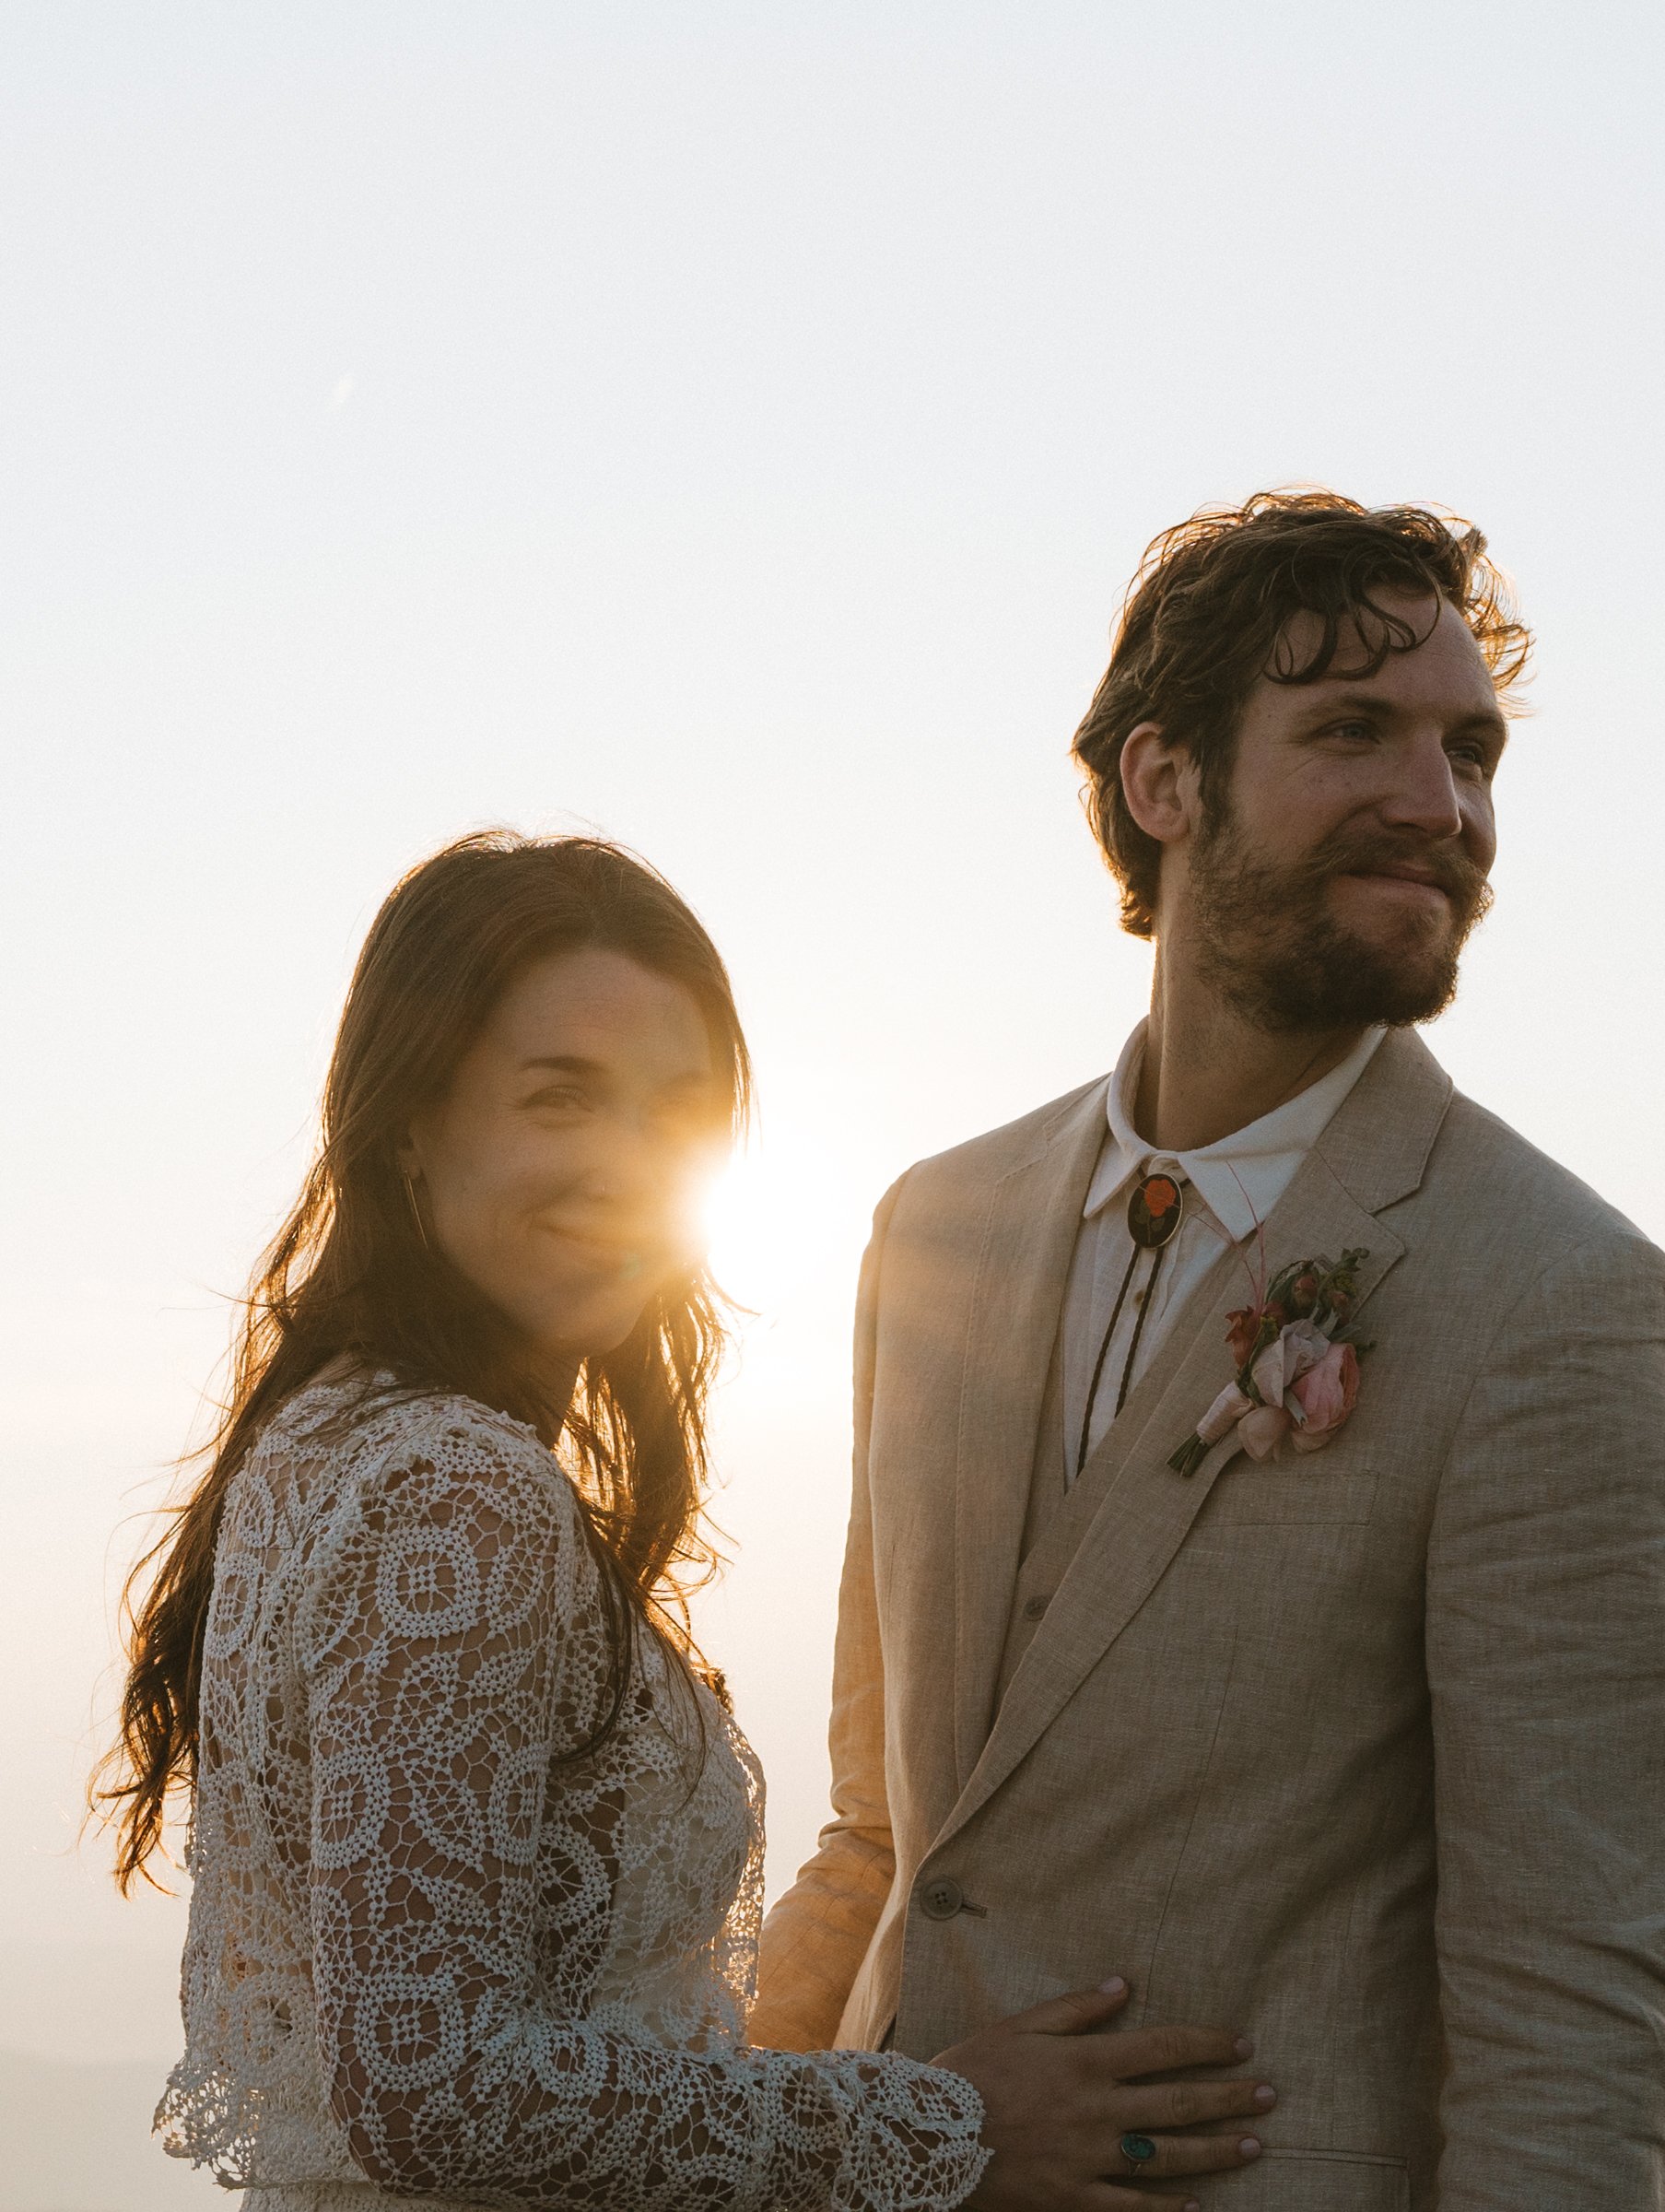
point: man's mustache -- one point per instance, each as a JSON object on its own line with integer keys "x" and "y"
{"x": 1445, "y": 865}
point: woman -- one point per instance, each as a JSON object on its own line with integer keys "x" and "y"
{"x": 476, "y": 1845}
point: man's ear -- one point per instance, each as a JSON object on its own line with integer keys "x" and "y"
{"x": 1159, "y": 782}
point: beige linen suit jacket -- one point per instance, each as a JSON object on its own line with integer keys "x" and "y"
{"x": 1363, "y": 1752}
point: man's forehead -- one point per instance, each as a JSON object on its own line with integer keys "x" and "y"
{"x": 1444, "y": 657}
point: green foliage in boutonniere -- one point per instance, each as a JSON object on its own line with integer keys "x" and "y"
{"x": 1296, "y": 1355}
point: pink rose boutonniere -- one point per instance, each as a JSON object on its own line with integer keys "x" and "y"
{"x": 1296, "y": 1356}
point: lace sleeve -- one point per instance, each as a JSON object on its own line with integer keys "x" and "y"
{"x": 453, "y": 1649}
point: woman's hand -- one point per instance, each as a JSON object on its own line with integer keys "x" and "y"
{"x": 1058, "y": 2100}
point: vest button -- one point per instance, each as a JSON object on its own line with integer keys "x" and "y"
{"x": 940, "y": 1899}
{"x": 1035, "y": 1606}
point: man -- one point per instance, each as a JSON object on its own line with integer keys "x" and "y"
{"x": 1355, "y": 1732}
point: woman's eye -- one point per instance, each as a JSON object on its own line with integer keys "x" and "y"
{"x": 560, "y": 1096}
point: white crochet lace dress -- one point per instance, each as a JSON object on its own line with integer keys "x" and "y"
{"x": 428, "y": 1958}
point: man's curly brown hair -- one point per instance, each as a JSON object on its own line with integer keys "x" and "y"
{"x": 1208, "y": 613}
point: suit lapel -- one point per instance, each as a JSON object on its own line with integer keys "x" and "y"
{"x": 1034, "y": 1214}
{"x": 1373, "y": 1153}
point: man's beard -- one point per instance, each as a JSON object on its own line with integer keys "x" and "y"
{"x": 1268, "y": 944}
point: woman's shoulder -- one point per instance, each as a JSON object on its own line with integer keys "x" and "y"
{"x": 364, "y": 1433}
{"x": 353, "y": 1408}
{"x": 439, "y": 1514}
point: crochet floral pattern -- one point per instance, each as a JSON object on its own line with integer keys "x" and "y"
{"x": 436, "y": 1947}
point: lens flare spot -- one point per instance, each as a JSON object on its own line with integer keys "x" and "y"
{"x": 780, "y": 1216}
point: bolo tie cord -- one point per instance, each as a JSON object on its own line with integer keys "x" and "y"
{"x": 1132, "y": 1349}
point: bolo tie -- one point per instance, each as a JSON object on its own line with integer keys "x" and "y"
{"x": 1156, "y": 1208}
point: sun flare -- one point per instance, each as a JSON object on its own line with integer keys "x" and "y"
{"x": 780, "y": 1214}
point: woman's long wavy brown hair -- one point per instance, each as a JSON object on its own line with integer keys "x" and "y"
{"x": 349, "y": 1276}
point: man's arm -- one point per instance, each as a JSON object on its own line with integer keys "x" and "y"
{"x": 814, "y": 1941}
{"x": 1546, "y": 1661}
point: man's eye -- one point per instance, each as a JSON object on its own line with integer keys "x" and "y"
{"x": 1352, "y": 729}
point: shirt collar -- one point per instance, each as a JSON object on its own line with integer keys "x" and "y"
{"x": 1241, "y": 1177}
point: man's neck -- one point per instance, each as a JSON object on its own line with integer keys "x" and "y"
{"x": 1208, "y": 1072}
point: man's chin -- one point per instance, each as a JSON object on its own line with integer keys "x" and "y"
{"x": 1331, "y": 951}
{"x": 1393, "y": 983}
{"x": 1329, "y": 978}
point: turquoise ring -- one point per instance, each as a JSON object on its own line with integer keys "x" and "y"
{"x": 1138, "y": 2150}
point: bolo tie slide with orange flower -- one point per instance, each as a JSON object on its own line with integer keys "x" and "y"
{"x": 1156, "y": 1208}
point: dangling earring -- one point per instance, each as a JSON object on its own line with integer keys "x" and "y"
{"x": 416, "y": 1208}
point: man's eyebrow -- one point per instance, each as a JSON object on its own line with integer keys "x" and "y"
{"x": 1492, "y": 719}
{"x": 1323, "y": 703}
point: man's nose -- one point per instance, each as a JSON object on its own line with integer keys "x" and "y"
{"x": 1424, "y": 794}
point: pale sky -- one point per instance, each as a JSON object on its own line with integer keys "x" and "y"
{"x": 729, "y": 427}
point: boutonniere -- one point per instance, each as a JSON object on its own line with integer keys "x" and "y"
{"x": 1297, "y": 1364}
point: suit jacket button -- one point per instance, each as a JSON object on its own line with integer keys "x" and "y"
{"x": 1034, "y": 1607}
{"x": 940, "y": 1899}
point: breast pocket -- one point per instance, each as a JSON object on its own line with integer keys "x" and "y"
{"x": 1245, "y": 1494}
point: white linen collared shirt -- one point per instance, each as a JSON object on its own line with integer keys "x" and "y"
{"x": 1234, "y": 1184}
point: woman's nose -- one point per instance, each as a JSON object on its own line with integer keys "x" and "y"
{"x": 626, "y": 1164}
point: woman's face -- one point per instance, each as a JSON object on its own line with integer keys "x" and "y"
{"x": 563, "y": 1171}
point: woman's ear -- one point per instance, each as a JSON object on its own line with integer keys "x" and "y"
{"x": 1159, "y": 783}
{"x": 407, "y": 1154}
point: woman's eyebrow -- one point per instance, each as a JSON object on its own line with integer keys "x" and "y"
{"x": 566, "y": 1064}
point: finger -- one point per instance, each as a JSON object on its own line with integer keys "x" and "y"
{"x": 1164, "y": 2050}
{"x": 1166, "y": 2105}
{"x": 1190, "y": 2154}
{"x": 1076, "y": 2014}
